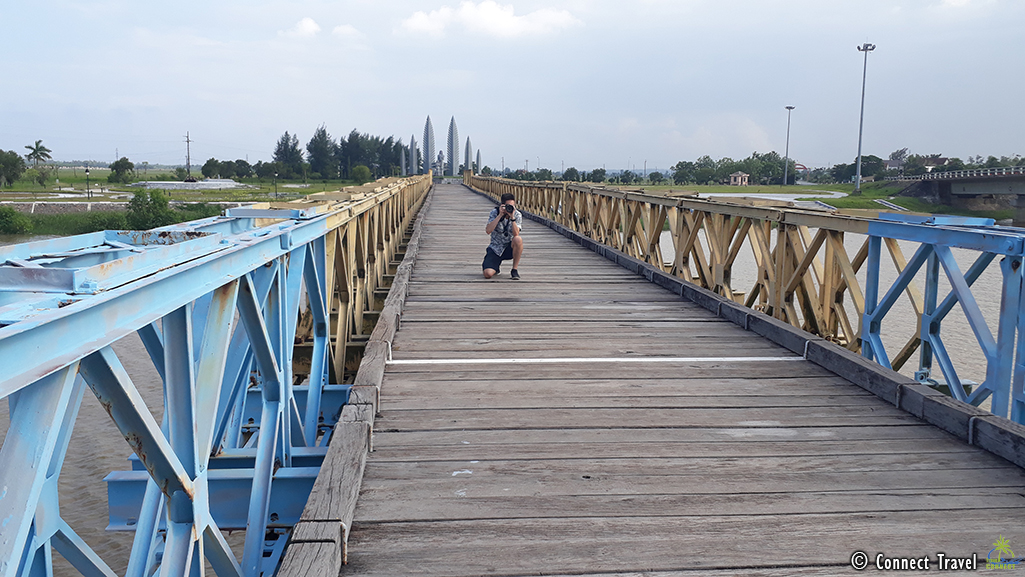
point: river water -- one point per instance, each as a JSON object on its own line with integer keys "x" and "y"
{"x": 899, "y": 325}
{"x": 98, "y": 448}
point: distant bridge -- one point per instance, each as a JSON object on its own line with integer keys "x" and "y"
{"x": 974, "y": 173}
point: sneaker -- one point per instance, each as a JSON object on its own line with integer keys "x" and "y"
{"x": 514, "y": 274}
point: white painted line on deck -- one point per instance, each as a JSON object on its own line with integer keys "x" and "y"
{"x": 592, "y": 360}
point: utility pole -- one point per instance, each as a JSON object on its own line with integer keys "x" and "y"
{"x": 188, "y": 157}
{"x": 866, "y": 48}
{"x": 786, "y": 155}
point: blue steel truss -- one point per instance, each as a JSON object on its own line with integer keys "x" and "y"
{"x": 217, "y": 304}
{"x": 1004, "y": 383}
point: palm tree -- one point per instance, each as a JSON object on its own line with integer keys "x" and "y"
{"x": 39, "y": 153}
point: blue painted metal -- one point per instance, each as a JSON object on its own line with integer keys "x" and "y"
{"x": 216, "y": 303}
{"x": 937, "y": 235}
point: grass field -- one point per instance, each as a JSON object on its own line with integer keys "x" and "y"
{"x": 872, "y": 191}
{"x": 69, "y": 185}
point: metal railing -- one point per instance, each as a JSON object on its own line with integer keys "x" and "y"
{"x": 806, "y": 275}
{"x": 253, "y": 320}
{"x": 954, "y": 174}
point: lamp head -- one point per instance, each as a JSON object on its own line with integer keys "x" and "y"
{"x": 790, "y": 107}
{"x": 866, "y": 47}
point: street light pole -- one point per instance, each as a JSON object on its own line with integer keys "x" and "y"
{"x": 866, "y": 48}
{"x": 275, "y": 186}
{"x": 87, "y": 193}
{"x": 786, "y": 155}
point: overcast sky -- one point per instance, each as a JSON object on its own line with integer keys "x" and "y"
{"x": 588, "y": 83}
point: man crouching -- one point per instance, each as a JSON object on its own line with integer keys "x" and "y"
{"x": 506, "y": 243}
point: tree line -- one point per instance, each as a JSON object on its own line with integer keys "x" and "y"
{"x": 360, "y": 156}
{"x": 903, "y": 163}
{"x": 761, "y": 168}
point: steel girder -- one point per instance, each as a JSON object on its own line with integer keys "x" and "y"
{"x": 221, "y": 306}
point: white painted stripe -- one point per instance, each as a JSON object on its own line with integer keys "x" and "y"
{"x": 592, "y": 360}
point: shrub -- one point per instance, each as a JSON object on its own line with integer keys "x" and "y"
{"x": 13, "y": 222}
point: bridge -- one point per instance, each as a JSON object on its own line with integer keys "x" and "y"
{"x": 960, "y": 187}
{"x": 630, "y": 406}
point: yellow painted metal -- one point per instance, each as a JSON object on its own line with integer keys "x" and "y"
{"x": 804, "y": 273}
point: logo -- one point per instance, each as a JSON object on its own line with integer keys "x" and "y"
{"x": 1001, "y": 556}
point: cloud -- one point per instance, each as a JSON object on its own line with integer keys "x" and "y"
{"x": 489, "y": 18}
{"x": 347, "y": 31}
{"x": 305, "y": 28}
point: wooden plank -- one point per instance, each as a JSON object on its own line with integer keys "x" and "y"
{"x": 483, "y": 419}
{"x": 334, "y": 493}
{"x": 467, "y": 504}
{"x": 597, "y": 370}
{"x": 424, "y": 450}
{"x": 912, "y": 432}
{"x": 667, "y": 543}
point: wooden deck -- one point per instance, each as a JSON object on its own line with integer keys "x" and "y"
{"x": 583, "y": 421}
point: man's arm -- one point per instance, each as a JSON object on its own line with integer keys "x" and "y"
{"x": 516, "y": 223}
{"x": 490, "y": 228}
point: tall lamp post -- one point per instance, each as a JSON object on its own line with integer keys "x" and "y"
{"x": 866, "y": 48}
{"x": 786, "y": 154}
{"x": 275, "y": 186}
{"x": 87, "y": 193}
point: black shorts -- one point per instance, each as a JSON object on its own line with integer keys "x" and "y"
{"x": 493, "y": 261}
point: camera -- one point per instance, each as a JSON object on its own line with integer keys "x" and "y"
{"x": 508, "y": 208}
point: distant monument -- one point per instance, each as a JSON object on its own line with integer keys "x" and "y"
{"x": 452, "y": 167}
{"x": 477, "y": 165}
{"x": 469, "y": 155}
{"x": 428, "y": 145}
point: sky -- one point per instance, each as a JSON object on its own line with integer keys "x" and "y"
{"x": 584, "y": 83}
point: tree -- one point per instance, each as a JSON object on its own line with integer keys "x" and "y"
{"x": 597, "y": 175}
{"x": 322, "y": 152}
{"x": 289, "y": 155}
{"x": 683, "y": 172}
{"x": 899, "y": 155}
{"x": 180, "y": 173}
{"x": 243, "y": 169}
{"x": 872, "y": 165}
{"x": 627, "y": 177}
{"x": 122, "y": 171}
{"x": 544, "y": 174}
{"x": 656, "y": 177}
{"x": 226, "y": 169}
{"x": 42, "y": 174}
{"x": 571, "y": 174}
{"x": 12, "y": 166}
{"x": 360, "y": 174}
{"x": 211, "y": 168}
{"x": 486, "y": 171}
{"x": 149, "y": 210}
{"x": 39, "y": 153}
{"x": 842, "y": 172}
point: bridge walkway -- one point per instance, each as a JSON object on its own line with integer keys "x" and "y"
{"x": 584, "y": 421}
